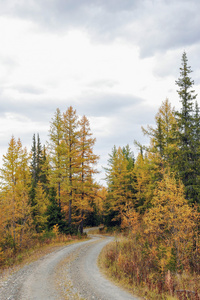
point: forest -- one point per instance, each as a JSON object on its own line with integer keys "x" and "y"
{"x": 153, "y": 199}
{"x": 52, "y": 187}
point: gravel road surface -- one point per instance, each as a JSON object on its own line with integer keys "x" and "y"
{"x": 70, "y": 272}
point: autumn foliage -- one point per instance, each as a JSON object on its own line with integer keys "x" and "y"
{"x": 159, "y": 254}
{"x": 157, "y": 203}
{"x": 50, "y": 190}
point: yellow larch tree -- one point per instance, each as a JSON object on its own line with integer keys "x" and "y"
{"x": 86, "y": 163}
{"x": 71, "y": 152}
{"x": 163, "y": 138}
{"x": 130, "y": 218}
{"x": 143, "y": 183}
{"x": 15, "y": 181}
{"x": 56, "y": 154}
{"x": 161, "y": 153}
{"x": 170, "y": 223}
{"x": 120, "y": 184}
{"x": 100, "y": 201}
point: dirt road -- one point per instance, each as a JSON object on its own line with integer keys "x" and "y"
{"x": 68, "y": 273}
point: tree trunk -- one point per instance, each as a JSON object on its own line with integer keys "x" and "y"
{"x": 81, "y": 224}
{"x": 70, "y": 210}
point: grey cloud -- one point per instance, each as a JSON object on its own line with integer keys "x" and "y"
{"x": 63, "y": 12}
{"x": 153, "y": 25}
{"x": 169, "y": 64}
{"x": 8, "y": 61}
{"x": 126, "y": 124}
{"x": 194, "y": 62}
{"x": 106, "y": 104}
{"x": 100, "y": 105}
{"x": 29, "y": 89}
{"x": 35, "y": 110}
{"x": 167, "y": 25}
{"x": 125, "y": 128}
{"x": 8, "y": 65}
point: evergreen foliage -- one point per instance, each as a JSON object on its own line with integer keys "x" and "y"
{"x": 87, "y": 160}
{"x": 71, "y": 154}
{"x": 39, "y": 208}
{"x": 15, "y": 185}
{"x": 55, "y": 216}
{"x": 55, "y": 147}
{"x": 187, "y": 119}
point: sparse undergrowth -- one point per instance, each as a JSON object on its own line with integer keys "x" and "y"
{"x": 36, "y": 247}
{"x": 123, "y": 261}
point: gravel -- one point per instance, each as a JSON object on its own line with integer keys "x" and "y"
{"x": 70, "y": 272}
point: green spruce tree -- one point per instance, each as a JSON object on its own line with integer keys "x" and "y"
{"x": 39, "y": 159}
{"x": 56, "y": 153}
{"x": 187, "y": 158}
{"x": 55, "y": 216}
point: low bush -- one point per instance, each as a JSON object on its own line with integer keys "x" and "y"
{"x": 135, "y": 264}
{"x": 12, "y": 254}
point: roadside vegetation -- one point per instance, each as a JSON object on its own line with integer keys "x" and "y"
{"x": 155, "y": 201}
{"x": 156, "y": 256}
{"x": 36, "y": 246}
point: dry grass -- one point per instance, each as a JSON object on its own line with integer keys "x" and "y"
{"x": 34, "y": 250}
{"x": 124, "y": 262}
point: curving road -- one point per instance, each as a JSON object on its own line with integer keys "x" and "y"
{"x": 68, "y": 273}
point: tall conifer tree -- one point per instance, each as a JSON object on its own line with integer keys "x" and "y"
{"x": 38, "y": 159}
{"x": 56, "y": 153}
{"x": 163, "y": 138}
{"x": 39, "y": 166}
{"x": 34, "y": 161}
{"x": 15, "y": 182}
{"x": 87, "y": 161}
{"x": 186, "y": 134}
{"x": 120, "y": 180}
{"x": 71, "y": 150}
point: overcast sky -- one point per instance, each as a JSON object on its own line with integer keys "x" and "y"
{"x": 114, "y": 61}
